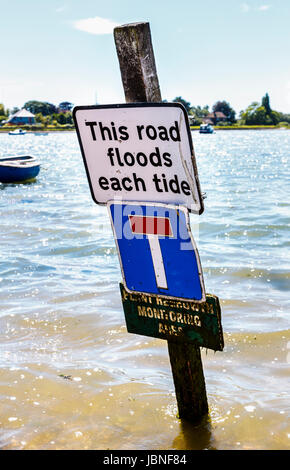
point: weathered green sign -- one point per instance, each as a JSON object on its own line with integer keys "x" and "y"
{"x": 175, "y": 320}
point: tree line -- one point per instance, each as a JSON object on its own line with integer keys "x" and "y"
{"x": 257, "y": 113}
{"x": 45, "y": 113}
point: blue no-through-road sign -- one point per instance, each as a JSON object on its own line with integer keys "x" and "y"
{"x": 157, "y": 252}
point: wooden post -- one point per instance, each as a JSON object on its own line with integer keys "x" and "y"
{"x": 188, "y": 380}
{"x": 137, "y": 63}
{"x": 140, "y": 83}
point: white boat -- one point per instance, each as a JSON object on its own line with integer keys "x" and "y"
{"x": 206, "y": 129}
{"x": 17, "y": 132}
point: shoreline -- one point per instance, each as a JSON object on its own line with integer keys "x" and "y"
{"x": 6, "y": 131}
{"x": 242, "y": 128}
{"x": 192, "y": 128}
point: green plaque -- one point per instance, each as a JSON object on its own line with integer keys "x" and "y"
{"x": 186, "y": 321}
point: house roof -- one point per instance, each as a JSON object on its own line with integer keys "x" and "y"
{"x": 21, "y": 113}
{"x": 217, "y": 114}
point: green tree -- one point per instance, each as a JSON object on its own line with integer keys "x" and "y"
{"x": 14, "y": 110}
{"x": 266, "y": 103}
{"x": 253, "y": 114}
{"x": 275, "y": 117}
{"x": 4, "y": 113}
{"x": 200, "y": 112}
{"x": 260, "y": 114}
{"x": 284, "y": 117}
{"x": 2, "y": 110}
{"x": 224, "y": 107}
{"x": 43, "y": 107}
{"x": 185, "y": 103}
{"x": 61, "y": 118}
{"x": 256, "y": 114}
{"x": 47, "y": 120}
{"x": 197, "y": 114}
{"x": 68, "y": 117}
{"x": 65, "y": 105}
{"x": 39, "y": 118}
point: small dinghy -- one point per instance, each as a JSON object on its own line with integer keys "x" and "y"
{"x": 18, "y": 169}
{"x": 17, "y": 132}
{"x": 206, "y": 129}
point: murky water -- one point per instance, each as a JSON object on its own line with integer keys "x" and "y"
{"x": 71, "y": 377}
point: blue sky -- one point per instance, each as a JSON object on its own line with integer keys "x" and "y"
{"x": 209, "y": 50}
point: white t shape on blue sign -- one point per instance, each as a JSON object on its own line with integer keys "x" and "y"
{"x": 157, "y": 252}
{"x": 153, "y": 227}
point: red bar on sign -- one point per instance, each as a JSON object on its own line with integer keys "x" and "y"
{"x": 144, "y": 225}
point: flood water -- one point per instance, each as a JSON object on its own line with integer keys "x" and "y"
{"x": 71, "y": 377}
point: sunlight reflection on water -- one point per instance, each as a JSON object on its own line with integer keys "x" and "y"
{"x": 72, "y": 377}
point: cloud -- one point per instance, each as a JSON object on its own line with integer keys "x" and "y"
{"x": 245, "y": 7}
{"x": 96, "y": 25}
{"x": 263, "y": 7}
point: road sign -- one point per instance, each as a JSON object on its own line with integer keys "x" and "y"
{"x": 157, "y": 251}
{"x": 139, "y": 152}
{"x": 174, "y": 320}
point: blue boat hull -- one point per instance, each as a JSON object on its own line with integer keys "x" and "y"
{"x": 208, "y": 130}
{"x": 10, "y": 174}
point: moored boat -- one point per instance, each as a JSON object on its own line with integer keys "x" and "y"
{"x": 18, "y": 169}
{"x": 206, "y": 129}
{"x": 17, "y": 132}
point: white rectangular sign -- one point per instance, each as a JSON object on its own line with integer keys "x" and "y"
{"x": 139, "y": 152}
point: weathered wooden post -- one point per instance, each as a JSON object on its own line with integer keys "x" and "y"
{"x": 140, "y": 82}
